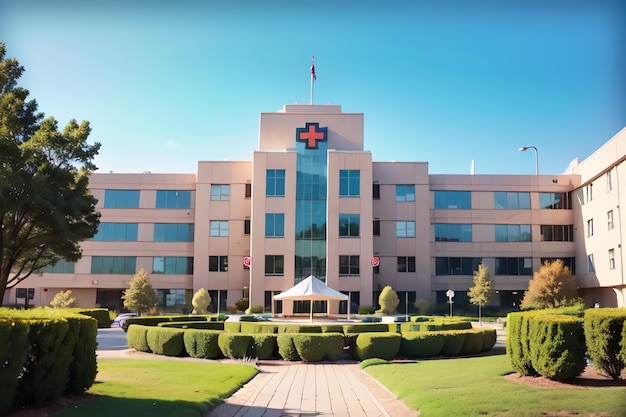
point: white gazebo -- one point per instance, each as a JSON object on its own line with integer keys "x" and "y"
{"x": 312, "y": 289}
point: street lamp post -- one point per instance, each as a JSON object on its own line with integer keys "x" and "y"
{"x": 525, "y": 148}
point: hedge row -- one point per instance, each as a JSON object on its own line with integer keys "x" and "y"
{"x": 156, "y": 320}
{"x": 605, "y": 334}
{"x": 49, "y": 353}
{"x": 546, "y": 343}
{"x": 308, "y": 347}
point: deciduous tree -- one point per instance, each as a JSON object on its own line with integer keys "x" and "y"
{"x": 140, "y": 297}
{"x": 46, "y": 208}
{"x": 481, "y": 292}
{"x": 63, "y": 299}
{"x": 552, "y": 286}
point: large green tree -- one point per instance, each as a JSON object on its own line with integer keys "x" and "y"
{"x": 46, "y": 208}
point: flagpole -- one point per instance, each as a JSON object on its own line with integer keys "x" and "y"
{"x": 313, "y": 77}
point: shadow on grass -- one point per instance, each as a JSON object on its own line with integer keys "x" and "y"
{"x": 106, "y": 406}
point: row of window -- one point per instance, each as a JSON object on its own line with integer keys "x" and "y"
{"x": 348, "y": 265}
{"x": 349, "y": 186}
{"x": 609, "y": 223}
{"x": 349, "y": 226}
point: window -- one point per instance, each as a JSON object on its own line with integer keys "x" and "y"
{"x": 512, "y": 200}
{"x": 348, "y": 265}
{"x": 248, "y": 192}
{"x": 173, "y": 199}
{"x": 557, "y": 233}
{"x": 116, "y": 231}
{"x": 274, "y": 265}
{"x": 61, "y": 267}
{"x": 405, "y": 192}
{"x": 555, "y": 201}
{"x": 219, "y": 228}
{"x": 218, "y": 263}
{"x": 121, "y": 198}
{"x": 174, "y": 298}
{"x": 514, "y": 266}
{"x": 570, "y": 263}
{"x": 220, "y": 192}
{"x": 445, "y": 232}
{"x": 609, "y": 182}
{"x": 376, "y": 192}
{"x": 349, "y": 225}
{"x": 611, "y": 258}
{"x": 456, "y": 265}
{"x": 591, "y": 268}
{"x": 172, "y": 265}
{"x": 609, "y": 219}
{"x": 349, "y": 183}
{"x": 589, "y": 227}
{"x": 513, "y": 233}
{"x": 376, "y": 228}
{"x": 274, "y": 225}
{"x": 406, "y": 263}
{"x": 113, "y": 264}
{"x": 173, "y": 232}
{"x": 453, "y": 199}
{"x": 405, "y": 229}
{"x": 589, "y": 192}
{"x": 275, "y": 182}
{"x": 246, "y": 226}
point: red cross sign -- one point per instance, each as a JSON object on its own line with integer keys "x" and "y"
{"x": 311, "y": 134}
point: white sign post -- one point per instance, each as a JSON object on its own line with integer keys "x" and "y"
{"x": 450, "y": 295}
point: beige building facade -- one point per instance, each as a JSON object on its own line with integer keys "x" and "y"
{"x": 312, "y": 201}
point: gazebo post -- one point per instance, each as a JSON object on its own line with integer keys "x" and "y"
{"x": 311, "y": 310}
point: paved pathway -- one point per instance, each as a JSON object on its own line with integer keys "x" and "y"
{"x": 338, "y": 389}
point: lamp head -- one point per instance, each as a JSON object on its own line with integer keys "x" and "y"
{"x": 523, "y": 148}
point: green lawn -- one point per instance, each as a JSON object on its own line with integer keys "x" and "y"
{"x": 130, "y": 387}
{"x": 476, "y": 387}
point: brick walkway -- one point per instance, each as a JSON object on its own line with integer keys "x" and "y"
{"x": 320, "y": 389}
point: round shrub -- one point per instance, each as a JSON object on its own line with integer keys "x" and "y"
{"x": 234, "y": 345}
{"x": 421, "y": 344}
{"x": 202, "y": 343}
{"x": 557, "y": 346}
{"x": 166, "y": 341}
{"x": 286, "y": 348}
{"x": 383, "y": 345}
{"x": 518, "y": 343}
{"x": 314, "y": 347}
{"x": 263, "y": 346}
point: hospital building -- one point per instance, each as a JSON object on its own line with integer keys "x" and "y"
{"x": 311, "y": 200}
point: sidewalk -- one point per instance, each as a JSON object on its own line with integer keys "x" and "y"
{"x": 293, "y": 389}
{"x": 338, "y": 389}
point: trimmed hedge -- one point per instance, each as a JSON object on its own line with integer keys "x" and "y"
{"x": 166, "y": 341}
{"x": 263, "y": 346}
{"x": 137, "y": 337}
{"x": 365, "y": 327}
{"x": 286, "y": 348}
{"x": 298, "y": 328}
{"x": 234, "y": 345}
{"x": 623, "y": 343}
{"x": 557, "y": 346}
{"x": 421, "y": 344}
{"x": 84, "y": 367}
{"x": 315, "y": 347}
{"x": 383, "y": 345}
{"x": 13, "y": 353}
{"x": 208, "y": 325}
{"x": 518, "y": 343}
{"x": 100, "y": 314}
{"x": 603, "y": 334}
{"x": 454, "y": 342}
{"x": 232, "y": 326}
{"x": 473, "y": 344}
{"x": 258, "y": 327}
{"x": 202, "y": 343}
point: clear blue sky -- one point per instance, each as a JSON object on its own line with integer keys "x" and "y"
{"x": 165, "y": 84}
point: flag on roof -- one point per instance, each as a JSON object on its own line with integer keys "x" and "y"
{"x": 313, "y": 68}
